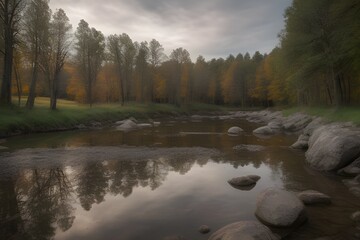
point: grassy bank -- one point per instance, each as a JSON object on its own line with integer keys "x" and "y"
{"x": 17, "y": 120}
{"x": 344, "y": 114}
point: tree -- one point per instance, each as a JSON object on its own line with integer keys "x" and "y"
{"x": 200, "y": 87}
{"x": 143, "y": 86}
{"x": 115, "y": 56}
{"x": 90, "y": 47}
{"x": 156, "y": 53}
{"x": 156, "y": 56}
{"x": 36, "y": 36}
{"x": 314, "y": 43}
{"x": 128, "y": 54}
{"x": 57, "y": 52}
{"x": 10, "y": 17}
{"x": 178, "y": 86}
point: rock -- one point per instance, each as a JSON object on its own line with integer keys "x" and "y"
{"x": 313, "y": 125}
{"x": 156, "y": 124}
{"x": 279, "y": 208}
{"x": 244, "y": 230}
{"x": 296, "y": 122}
{"x": 81, "y": 126}
{"x": 331, "y": 148}
{"x": 144, "y": 125}
{"x": 352, "y": 182}
{"x": 127, "y": 126}
{"x": 302, "y": 142}
{"x": 266, "y": 130}
{"x": 355, "y": 191}
{"x": 356, "y": 217}
{"x": 351, "y": 170}
{"x": 226, "y": 117}
{"x": 3, "y": 148}
{"x": 120, "y": 122}
{"x": 250, "y": 148}
{"x": 235, "y": 130}
{"x": 244, "y": 181}
{"x": 204, "y": 229}
{"x": 133, "y": 119}
{"x": 310, "y": 197}
{"x": 276, "y": 125}
{"x": 96, "y": 124}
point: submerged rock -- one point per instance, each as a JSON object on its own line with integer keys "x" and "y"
{"x": 244, "y": 181}
{"x": 313, "y": 197}
{"x": 356, "y": 217}
{"x": 279, "y": 208}
{"x": 235, "y": 130}
{"x": 204, "y": 229}
{"x": 302, "y": 142}
{"x": 331, "y": 148}
{"x": 266, "y": 130}
{"x": 250, "y": 148}
{"x": 351, "y": 170}
{"x": 244, "y": 230}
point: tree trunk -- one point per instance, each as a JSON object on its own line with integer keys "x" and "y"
{"x": 31, "y": 98}
{"x": 5, "y": 96}
{"x": 18, "y": 83}
{"x": 337, "y": 89}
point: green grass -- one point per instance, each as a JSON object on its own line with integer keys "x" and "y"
{"x": 344, "y": 114}
{"x": 69, "y": 114}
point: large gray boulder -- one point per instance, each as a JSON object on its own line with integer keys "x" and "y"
{"x": 127, "y": 126}
{"x": 331, "y": 148}
{"x": 266, "y": 130}
{"x": 279, "y": 208}
{"x": 244, "y": 230}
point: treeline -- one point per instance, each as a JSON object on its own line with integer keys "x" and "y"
{"x": 316, "y": 62}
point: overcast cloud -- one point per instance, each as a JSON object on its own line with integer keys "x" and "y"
{"x": 211, "y": 28}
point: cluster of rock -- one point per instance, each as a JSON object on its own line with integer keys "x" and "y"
{"x": 132, "y": 124}
{"x": 278, "y": 211}
{"x": 329, "y": 146}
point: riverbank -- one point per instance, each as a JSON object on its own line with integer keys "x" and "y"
{"x": 343, "y": 114}
{"x": 71, "y": 115}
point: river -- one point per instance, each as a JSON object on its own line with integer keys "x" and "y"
{"x": 155, "y": 182}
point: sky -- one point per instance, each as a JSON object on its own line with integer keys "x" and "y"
{"x": 211, "y": 28}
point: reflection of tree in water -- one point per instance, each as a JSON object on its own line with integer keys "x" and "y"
{"x": 36, "y": 204}
{"x": 92, "y": 184}
{"x": 126, "y": 175}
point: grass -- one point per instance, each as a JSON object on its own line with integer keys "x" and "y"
{"x": 344, "y": 114}
{"x": 40, "y": 119}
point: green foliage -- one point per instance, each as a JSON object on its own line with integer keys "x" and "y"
{"x": 344, "y": 114}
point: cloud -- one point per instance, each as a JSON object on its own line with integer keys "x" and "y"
{"x": 212, "y": 28}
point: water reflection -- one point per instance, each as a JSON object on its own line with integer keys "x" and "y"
{"x": 102, "y": 192}
{"x": 35, "y": 204}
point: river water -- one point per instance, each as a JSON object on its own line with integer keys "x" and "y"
{"x": 155, "y": 183}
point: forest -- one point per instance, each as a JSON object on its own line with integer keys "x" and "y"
{"x": 316, "y": 62}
